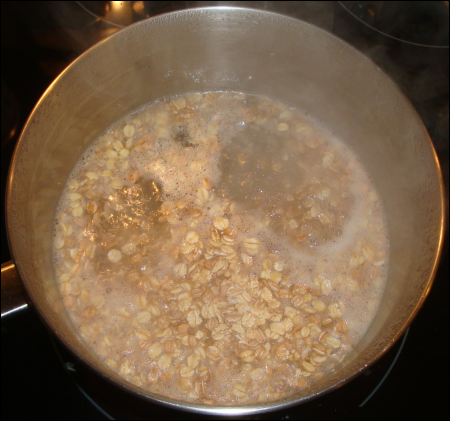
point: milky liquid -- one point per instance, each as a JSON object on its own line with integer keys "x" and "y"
{"x": 220, "y": 248}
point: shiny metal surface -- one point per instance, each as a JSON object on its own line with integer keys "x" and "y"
{"x": 124, "y": 13}
{"x": 14, "y": 297}
{"x": 255, "y": 52}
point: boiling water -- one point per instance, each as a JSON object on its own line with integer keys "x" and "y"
{"x": 220, "y": 248}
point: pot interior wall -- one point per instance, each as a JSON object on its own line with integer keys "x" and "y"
{"x": 241, "y": 50}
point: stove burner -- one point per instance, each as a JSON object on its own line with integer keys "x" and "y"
{"x": 422, "y": 23}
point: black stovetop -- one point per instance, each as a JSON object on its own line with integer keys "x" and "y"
{"x": 41, "y": 380}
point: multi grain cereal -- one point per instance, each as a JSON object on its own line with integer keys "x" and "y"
{"x": 220, "y": 248}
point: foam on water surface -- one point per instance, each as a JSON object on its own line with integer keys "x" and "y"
{"x": 172, "y": 168}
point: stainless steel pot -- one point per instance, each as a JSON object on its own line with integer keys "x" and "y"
{"x": 255, "y": 52}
